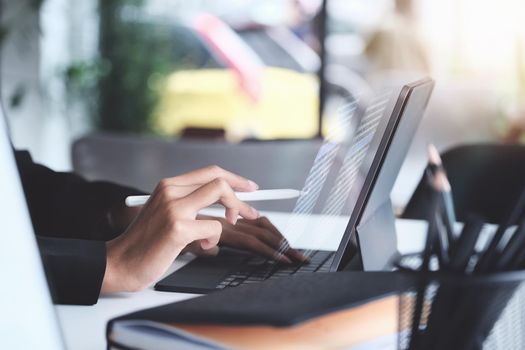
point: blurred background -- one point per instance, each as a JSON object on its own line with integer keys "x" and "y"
{"x": 115, "y": 88}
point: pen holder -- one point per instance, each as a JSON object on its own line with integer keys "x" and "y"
{"x": 445, "y": 310}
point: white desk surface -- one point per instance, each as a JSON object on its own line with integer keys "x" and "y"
{"x": 83, "y": 327}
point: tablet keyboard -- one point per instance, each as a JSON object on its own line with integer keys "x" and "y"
{"x": 231, "y": 268}
{"x": 257, "y": 269}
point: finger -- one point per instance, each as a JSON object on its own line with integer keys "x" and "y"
{"x": 251, "y": 243}
{"x": 207, "y": 232}
{"x": 216, "y": 191}
{"x": 296, "y": 255}
{"x": 170, "y": 192}
{"x": 165, "y": 193}
{"x": 231, "y": 216}
{"x": 292, "y": 253}
{"x": 279, "y": 244}
{"x": 262, "y": 234}
{"x": 265, "y": 223}
{"x": 205, "y": 175}
{"x": 195, "y": 248}
{"x": 214, "y": 251}
{"x": 214, "y": 235}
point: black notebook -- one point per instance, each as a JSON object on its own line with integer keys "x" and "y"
{"x": 279, "y": 303}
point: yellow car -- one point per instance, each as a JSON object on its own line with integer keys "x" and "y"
{"x": 253, "y": 87}
{"x": 212, "y": 98}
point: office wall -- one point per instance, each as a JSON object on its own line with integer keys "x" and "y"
{"x": 40, "y": 44}
{"x": 20, "y": 70}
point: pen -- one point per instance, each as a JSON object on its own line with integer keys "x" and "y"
{"x": 261, "y": 195}
{"x": 464, "y": 247}
{"x": 486, "y": 259}
{"x": 425, "y": 263}
{"x": 512, "y": 249}
{"x": 436, "y": 167}
{"x": 438, "y": 181}
{"x": 442, "y": 248}
{"x": 433, "y": 226}
{"x": 518, "y": 262}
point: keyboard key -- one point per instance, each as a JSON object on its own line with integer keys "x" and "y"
{"x": 236, "y": 282}
{"x": 255, "y": 279}
{"x": 281, "y": 274}
{"x": 250, "y": 281}
{"x": 258, "y": 269}
{"x": 274, "y": 277}
{"x": 257, "y": 261}
{"x": 307, "y": 269}
{"x": 288, "y": 269}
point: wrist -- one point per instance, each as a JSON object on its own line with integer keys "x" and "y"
{"x": 116, "y": 277}
{"x": 110, "y": 283}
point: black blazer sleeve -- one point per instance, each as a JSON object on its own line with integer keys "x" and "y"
{"x": 64, "y": 205}
{"x": 70, "y": 220}
{"x": 74, "y": 269}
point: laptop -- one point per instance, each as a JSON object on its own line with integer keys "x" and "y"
{"x": 344, "y": 219}
{"x": 28, "y": 317}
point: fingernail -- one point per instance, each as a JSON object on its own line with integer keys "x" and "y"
{"x": 286, "y": 259}
{"x": 300, "y": 256}
{"x": 253, "y": 184}
{"x": 255, "y": 212}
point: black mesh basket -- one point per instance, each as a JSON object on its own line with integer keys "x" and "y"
{"x": 446, "y": 310}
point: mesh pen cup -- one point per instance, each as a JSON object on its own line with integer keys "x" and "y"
{"x": 446, "y": 310}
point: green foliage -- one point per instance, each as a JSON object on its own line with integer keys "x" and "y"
{"x": 82, "y": 79}
{"x": 17, "y": 96}
{"x": 137, "y": 54}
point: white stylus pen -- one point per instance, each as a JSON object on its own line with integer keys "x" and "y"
{"x": 261, "y": 195}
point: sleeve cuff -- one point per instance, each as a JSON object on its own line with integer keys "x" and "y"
{"x": 74, "y": 268}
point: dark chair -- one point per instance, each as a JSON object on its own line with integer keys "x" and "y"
{"x": 486, "y": 179}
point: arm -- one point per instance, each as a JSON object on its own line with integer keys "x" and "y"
{"x": 72, "y": 218}
{"x": 64, "y": 205}
{"x": 168, "y": 223}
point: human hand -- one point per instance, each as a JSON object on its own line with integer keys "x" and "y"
{"x": 121, "y": 216}
{"x": 259, "y": 236}
{"x": 167, "y": 223}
